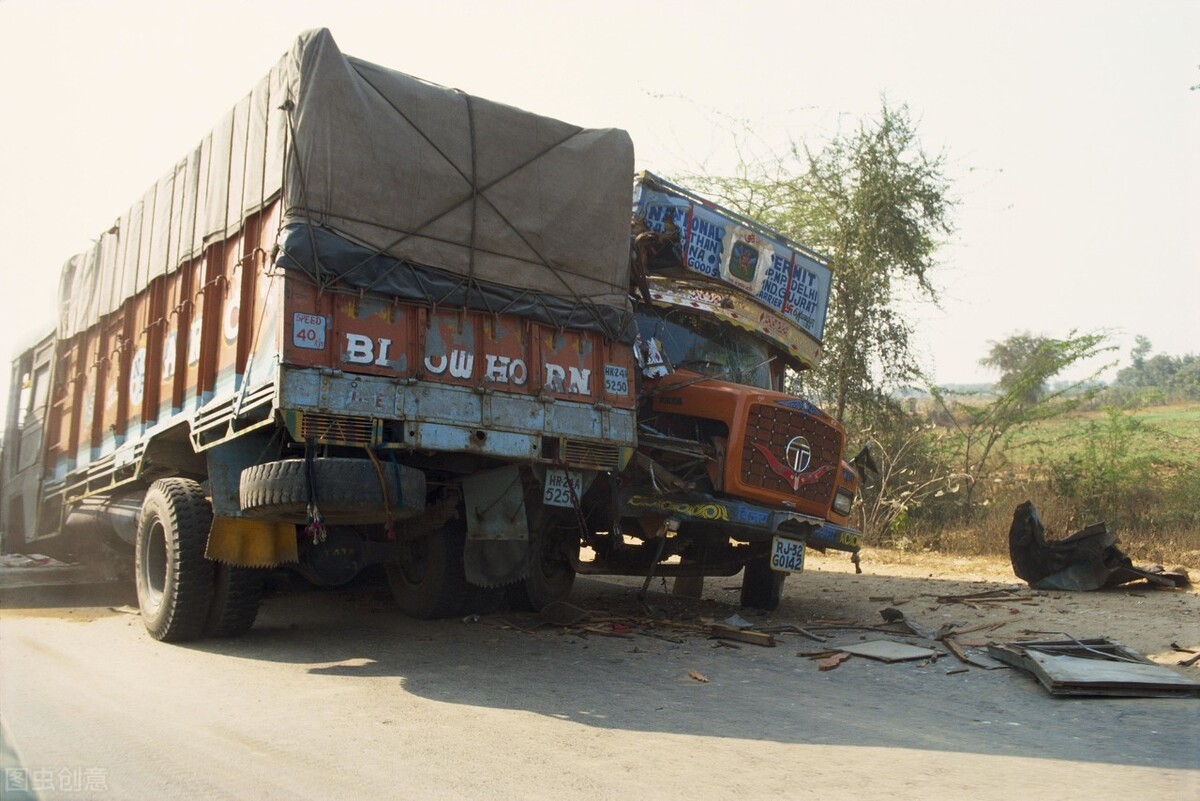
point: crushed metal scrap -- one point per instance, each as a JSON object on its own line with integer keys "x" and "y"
{"x": 1087, "y": 560}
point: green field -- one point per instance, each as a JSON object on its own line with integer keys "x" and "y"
{"x": 1138, "y": 471}
{"x": 1169, "y": 436}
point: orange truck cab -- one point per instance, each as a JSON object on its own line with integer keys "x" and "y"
{"x": 731, "y": 472}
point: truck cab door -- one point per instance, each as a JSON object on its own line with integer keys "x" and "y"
{"x": 21, "y": 462}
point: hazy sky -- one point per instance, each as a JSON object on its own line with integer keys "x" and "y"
{"x": 1070, "y": 133}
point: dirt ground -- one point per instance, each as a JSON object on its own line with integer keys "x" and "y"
{"x": 1163, "y": 624}
{"x": 1138, "y": 616}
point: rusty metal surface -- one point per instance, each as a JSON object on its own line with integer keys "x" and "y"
{"x": 447, "y": 417}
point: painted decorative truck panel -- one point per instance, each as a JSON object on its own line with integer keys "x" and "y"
{"x": 780, "y": 288}
{"x": 383, "y": 337}
{"x": 194, "y": 336}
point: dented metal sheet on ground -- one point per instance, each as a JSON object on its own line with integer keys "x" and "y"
{"x": 1094, "y": 667}
{"x": 888, "y": 651}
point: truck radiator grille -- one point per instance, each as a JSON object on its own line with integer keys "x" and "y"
{"x": 773, "y": 427}
{"x": 590, "y": 454}
{"x": 337, "y": 429}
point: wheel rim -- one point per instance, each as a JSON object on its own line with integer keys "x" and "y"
{"x": 154, "y": 567}
{"x": 550, "y": 572}
{"x": 415, "y": 568}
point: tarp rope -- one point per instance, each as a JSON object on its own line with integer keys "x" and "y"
{"x": 477, "y": 192}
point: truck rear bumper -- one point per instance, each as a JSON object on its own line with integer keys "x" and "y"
{"x": 356, "y": 409}
{"x": 745, "y": 522}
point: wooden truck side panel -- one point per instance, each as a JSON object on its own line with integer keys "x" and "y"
{"x": 193, "y": 337}
{"x": 379, "y": 336}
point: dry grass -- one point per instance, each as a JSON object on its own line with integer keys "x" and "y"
{"x": 1150, "y": 491}
{"x": 985, "y": 534}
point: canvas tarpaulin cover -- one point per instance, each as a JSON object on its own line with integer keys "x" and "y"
{"x": 388, "y": 184}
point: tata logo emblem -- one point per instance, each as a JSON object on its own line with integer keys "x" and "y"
{"x": 798, "y": 454}
{"x": 793, "y": 469}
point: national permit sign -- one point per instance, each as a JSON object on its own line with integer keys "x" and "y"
{"x": 726, "y": 247}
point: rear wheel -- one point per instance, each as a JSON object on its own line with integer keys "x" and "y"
{"x": 762, "y": 587}
{"x": 428, "y": 581}
{"x": 174, "y": 579}
{"x": 237, "y": 593}
{"x": 551, "y": 576}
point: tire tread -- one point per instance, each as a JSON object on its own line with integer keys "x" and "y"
{"x": 186, "y": 516}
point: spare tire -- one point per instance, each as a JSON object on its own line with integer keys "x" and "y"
{"x": 347, "y": 490}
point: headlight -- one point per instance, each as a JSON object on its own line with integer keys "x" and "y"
{"x": 842, "y": 502}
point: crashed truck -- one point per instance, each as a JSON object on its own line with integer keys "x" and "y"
{"x": 372, "y": 321}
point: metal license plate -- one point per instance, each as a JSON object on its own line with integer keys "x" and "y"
{"x": 787, "y": 555}
{"x": 557, "y": 492}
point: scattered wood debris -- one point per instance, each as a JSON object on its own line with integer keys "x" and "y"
{"x": 607, "y": 632}
{"x": 1002, "y": 594}
{"x": 818, "y": 654}
{"x": 893, "y": 615}
{"x": 696, "y": 675}
{"x": 952, "y": 630}
{"x": 561, "y": 613}
{"x": 721, "y": 631}
{"x": 1191, "y": 660}
{"x": 969, "y": 657}
{"x": 831, "y": 662}
{"x": 792, "y": 629}
{"x": 1186, "y": 661}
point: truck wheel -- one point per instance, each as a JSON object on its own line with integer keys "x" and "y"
{"x": 762, "y": 587}
{"x": 237, "y": 593}
{"x": 428, "y": 581}
{"x": 174, "y": 580}
{"x": 550, "y": 577}
{"x": 348, "y": 490}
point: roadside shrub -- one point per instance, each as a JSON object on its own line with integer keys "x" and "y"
{"x": 1106, "y": 478}
{"x": 913, "y": 477}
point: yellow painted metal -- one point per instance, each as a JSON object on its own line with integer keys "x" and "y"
{"x": 244, "y": 542}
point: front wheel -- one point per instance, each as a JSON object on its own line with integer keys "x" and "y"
{"x": 762, "y": 587}
{"x": 174, "y": 580}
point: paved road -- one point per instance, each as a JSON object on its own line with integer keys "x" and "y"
{"x": 333, "y": 694}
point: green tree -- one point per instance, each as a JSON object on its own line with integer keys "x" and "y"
{"x": 981, "y": 427}
{"x": 1160, "y": 377}
{"x": 1013, "y": 357}
{"x": 878, "y": 205}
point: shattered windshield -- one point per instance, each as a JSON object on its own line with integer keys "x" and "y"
{"x": 693, "y": 342}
